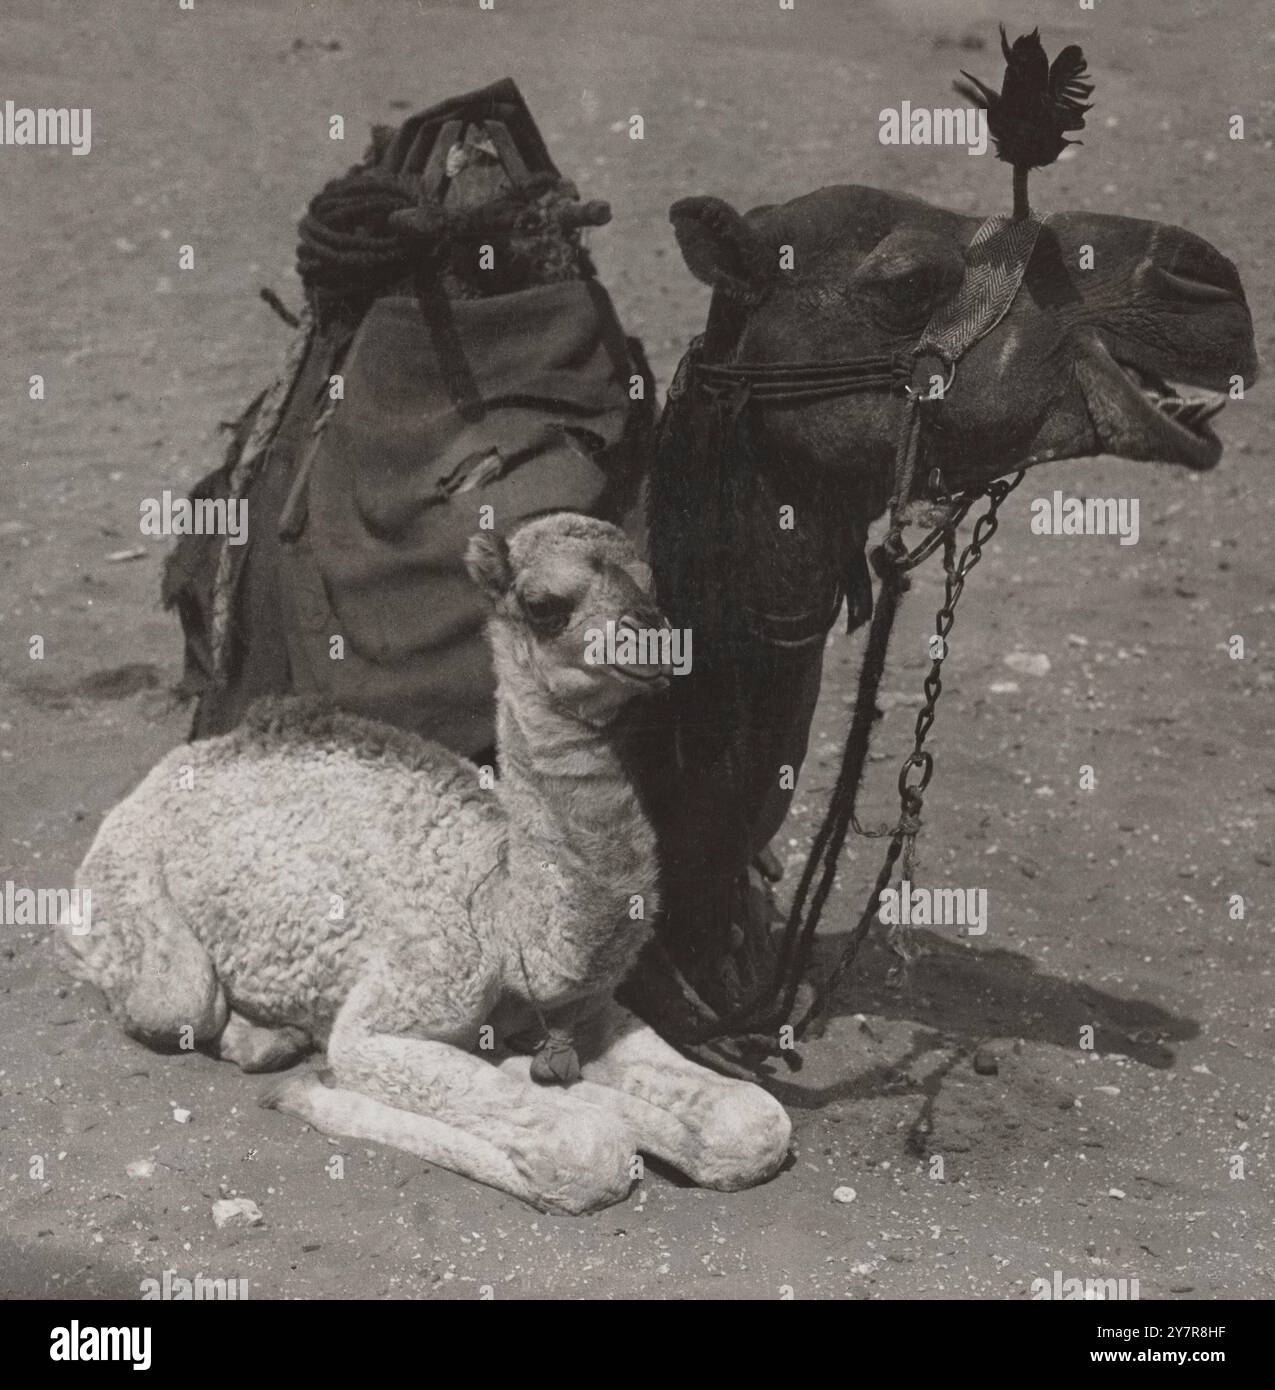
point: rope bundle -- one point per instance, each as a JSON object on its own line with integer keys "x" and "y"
{"x": 368, "y": 231}
{"x": 349, "y": 249}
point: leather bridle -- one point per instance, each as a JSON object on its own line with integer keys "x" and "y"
{"x": 995, "y": 262}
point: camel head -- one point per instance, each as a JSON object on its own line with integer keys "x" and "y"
{"x": 564, "y": 590}
{"x": 1127, "y": 357}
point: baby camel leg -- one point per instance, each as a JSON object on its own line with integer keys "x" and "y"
{"x": 720, "y": 1132}
{"x": 170, "y": 995}
{"x": 452, "y": 1108}
{"x": 255, "y": 1047}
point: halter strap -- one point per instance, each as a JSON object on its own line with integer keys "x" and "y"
{"x": 779, "y": 382}
{"x": 996, "y": 260}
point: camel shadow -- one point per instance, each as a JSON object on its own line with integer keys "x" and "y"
{"x": 956, "y": 999}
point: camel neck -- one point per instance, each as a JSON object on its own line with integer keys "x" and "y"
{"x": 580, "y": 848}
{"x": 568, "y": 782}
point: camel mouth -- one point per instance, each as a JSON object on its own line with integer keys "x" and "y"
{"x": 1189, "y": 408}
{"x": 649, "y": 679}
{"x": 1140, "y": 414}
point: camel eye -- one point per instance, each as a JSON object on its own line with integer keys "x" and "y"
{"x": 907, "y": 299}
{"x": 547, "y": 613}
{"x": 914, "y": 288}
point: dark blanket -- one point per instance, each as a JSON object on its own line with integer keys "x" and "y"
{"x": 400, "y": 478}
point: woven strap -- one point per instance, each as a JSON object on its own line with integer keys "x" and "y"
{"x": 995, "y": 262}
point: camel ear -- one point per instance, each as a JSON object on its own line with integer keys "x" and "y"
{"x": 487, "y": 560}
{"x": 721, "y": 249}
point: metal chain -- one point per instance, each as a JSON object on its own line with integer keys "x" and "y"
{"x": 955, "y": 572}
{"x": 903, "y": 833}
{"x": 912, "y": 794}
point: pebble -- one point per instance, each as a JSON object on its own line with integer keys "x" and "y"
{"x": 986, "y": 1063}
{"x": 236, "y": 1211}
{"x": 1028, "y": 663}
{"x": 141, "y": 1168}
{"x": 1116, "y": 1193}
{"x": 181, "y": 1116}
{"x": 844, "y": 1195}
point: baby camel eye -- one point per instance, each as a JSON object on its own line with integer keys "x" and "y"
{"x": 547, "y": 613}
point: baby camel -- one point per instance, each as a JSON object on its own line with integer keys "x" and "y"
{"x": 314, "y": 878}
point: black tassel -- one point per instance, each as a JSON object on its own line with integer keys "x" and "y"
{"x": 1036, "y": 104}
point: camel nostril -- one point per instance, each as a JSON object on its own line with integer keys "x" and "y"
{"x": 1195, "y": 289}
{"x": 643, "y": 621}
{"x": 1186, "y": 267}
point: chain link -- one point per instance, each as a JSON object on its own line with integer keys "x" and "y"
{"x": 955, "y": 572}
{"x": 912, "y": 794}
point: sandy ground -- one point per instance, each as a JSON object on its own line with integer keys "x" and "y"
{"x": 1108, "y": 908}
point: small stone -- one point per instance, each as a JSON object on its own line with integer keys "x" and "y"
{"x": 844, "y": 1195}
{"x": 236, "y": 1211}
{"x": 1028, "y": 663}
{"x": 141, "y": 1168}
{"x": 986, "y": 1062}
{"x": 1108, "y": 1090}
{"x": 1116, "y": 1193}
{"x": 181, "y": 1116}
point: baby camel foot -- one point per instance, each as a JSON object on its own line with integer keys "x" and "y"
{"x": 578, "y": 1163}
{"x": 254, "y": 1047}
{"x": 720, "y": 1132}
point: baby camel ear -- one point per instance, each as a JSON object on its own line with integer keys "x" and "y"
{"x": 487, "y": 560}
{"x": 723, "y": 250}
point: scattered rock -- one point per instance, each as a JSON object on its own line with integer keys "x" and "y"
{"x": 1028, "y": 663}
{"x": 844, "y": 1195}
{"x": 986, "y": 1062}
{"x": 141, "y": 1168}
{"x": 1116, "y": 1193}
{"x": 181, "y": 1116}
{"x": 236, "y": 1211}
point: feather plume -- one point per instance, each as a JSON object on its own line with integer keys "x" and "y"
{"x": 1037, "y": 102}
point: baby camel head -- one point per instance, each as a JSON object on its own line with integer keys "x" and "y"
{"x": 562, "y": 589}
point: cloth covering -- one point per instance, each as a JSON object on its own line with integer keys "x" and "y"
{"x": 360, "y": 509}
{"x": 398, "y": 480}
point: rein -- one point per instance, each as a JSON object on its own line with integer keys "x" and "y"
{"x": 996, "y": 260}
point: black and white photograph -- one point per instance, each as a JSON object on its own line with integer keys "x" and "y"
{"x": 636, "y": 663}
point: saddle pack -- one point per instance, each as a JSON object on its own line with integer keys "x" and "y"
{"x": 457, "y": 366}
